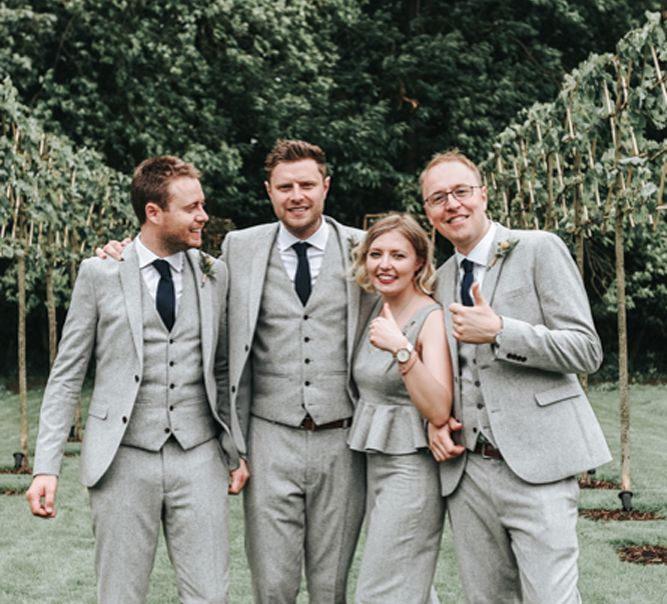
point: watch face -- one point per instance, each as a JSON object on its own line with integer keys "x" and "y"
{"x": 403, "y": 355}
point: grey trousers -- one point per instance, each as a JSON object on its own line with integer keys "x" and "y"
{"x": 514, "y": 541}
{"x": 304, "y": 506}
{"x": 186, "y": 492}
{"x": 404, "y": 519}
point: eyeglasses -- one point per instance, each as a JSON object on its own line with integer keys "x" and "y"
{"x": 459, "y": 193}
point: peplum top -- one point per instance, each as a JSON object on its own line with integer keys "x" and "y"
{"x": 385, "y": 420}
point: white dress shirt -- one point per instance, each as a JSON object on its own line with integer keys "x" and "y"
{"x": 479, "y": 256}
{"x": 315, "y": 253}
{"x": 151, "y": 275}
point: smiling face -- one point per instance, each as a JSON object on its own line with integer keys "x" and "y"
{"x": 391, "y": 264}
{"x": 464, "y": 223}
{"x": 297, "y": 191}
{"x": 179, "y": 226}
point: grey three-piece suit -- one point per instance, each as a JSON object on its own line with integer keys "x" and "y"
{"x": 304, "y": 502}
{"x": 514, "y": 520}
{"x": 157, "y": 425}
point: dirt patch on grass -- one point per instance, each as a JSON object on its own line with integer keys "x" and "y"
{"x": 7, "y": 470}
{"x": 13, "y": 490}
{"x": 595, "y": 483}
{"x": 603, "y": 514}
{"x": 643, "y": 554}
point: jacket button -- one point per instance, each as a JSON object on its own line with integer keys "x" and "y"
{"x": 123, "y": 419}
{"x": 474, "y": 430}
{"x": 480, "y": 405}
{"x": 171, "y": 407}
{"x": 306, "y": 361}
{"x": 167, "y": 430}
{"x": 136, "y": 378}
{"x": 307, "y": 383}
{"x": 306, "y": 339}
{"x": 233, "y": 389}
{"x": 478, "y": 383}
{"x": 172, "y": 386}
{"x": 171, "y": 363}
{"x": 247, "y": 348}
{"x": 305, "y": 317}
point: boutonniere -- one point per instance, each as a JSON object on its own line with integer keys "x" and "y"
{"x": 206, "y": 266}
{"x": 502, "y": 249}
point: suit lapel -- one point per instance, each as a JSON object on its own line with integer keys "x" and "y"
{"x": 448, "y": 277}
{"x": 494, "y": 265}
{"x": 346, "y": 243}
{"x": 130, "y": 279}
{"x": 208, "y": 327}
{"x": 257, "y": 275}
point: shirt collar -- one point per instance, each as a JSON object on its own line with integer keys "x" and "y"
{"x": 480, "y": 253}
{"x": 146, "y": 257}
{"x": 318, "y": 239}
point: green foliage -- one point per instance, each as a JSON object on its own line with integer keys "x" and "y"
{"x": 380, "y": 85}
{"x": 596, "y": 153}
{"x": 56, "y": 201}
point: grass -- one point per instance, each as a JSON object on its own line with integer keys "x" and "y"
{"x": 52, "y": 561}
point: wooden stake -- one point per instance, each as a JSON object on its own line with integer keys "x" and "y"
{"x": 658, "y": 71}
{"x": 22, "y": 360}
{"x": 611, "y": 115}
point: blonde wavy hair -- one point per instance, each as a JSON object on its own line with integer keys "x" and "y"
{"x": 407, "y": 226}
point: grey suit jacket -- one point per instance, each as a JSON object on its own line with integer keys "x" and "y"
{"x": 105, "y": 318}
{"x": 539, "y": 414}
{"x": 246, "y": 253}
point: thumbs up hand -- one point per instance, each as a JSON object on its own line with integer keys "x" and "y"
{"x": 384, "y": 333}
{"x": 476, "y": 324}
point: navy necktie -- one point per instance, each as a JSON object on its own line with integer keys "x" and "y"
{"x": 466, "y": 283}
{"x": 302, "y": 277}
{"x": 165, "y": 299}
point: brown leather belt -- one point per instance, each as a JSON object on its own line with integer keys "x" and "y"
{"x": 309, "y": 424}
{"x": 488, "y": 451}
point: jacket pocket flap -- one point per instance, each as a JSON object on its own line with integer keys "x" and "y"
{"x": 556, "y": 395}
{"x": 99, "y": 410}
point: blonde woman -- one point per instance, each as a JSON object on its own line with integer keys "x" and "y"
{"x": 404, "y": 379}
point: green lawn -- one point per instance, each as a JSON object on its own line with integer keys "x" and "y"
{"x": 52, "y": 561}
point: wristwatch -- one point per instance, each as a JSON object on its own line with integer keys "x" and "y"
{"x": 402, "y": 355}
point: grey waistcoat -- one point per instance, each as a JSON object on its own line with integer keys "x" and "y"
{"x": 475, "y": 416}
{"x": 299, "y": 354}
{"x": 171, "y": 399}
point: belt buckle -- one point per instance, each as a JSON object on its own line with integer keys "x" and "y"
{"x": 308, "y": 424}
{"x": 483, "y": 452}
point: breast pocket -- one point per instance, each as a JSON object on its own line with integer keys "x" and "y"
{"x": 558, "y": 395}
{"x": 99, "y": 410}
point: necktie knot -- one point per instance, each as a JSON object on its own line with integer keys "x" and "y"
{"x": 162, "y": 267}
{"x": 300, "y": 248}
{"x": 467, "y": 265}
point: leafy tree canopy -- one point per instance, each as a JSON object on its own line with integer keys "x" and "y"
{"x": 379, "y": 84}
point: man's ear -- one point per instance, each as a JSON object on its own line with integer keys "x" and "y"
{"x": 267, "y": 186}
{"x": 327, "y": 184}
{"x": 153, "y": 212}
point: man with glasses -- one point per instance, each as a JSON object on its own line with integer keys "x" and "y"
{"x": 520, "y": 329}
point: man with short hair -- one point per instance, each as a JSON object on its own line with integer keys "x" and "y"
{"x": 160, "y": 438}
{"x": 520, "y": 329}
{"x": 293, "y": 314}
